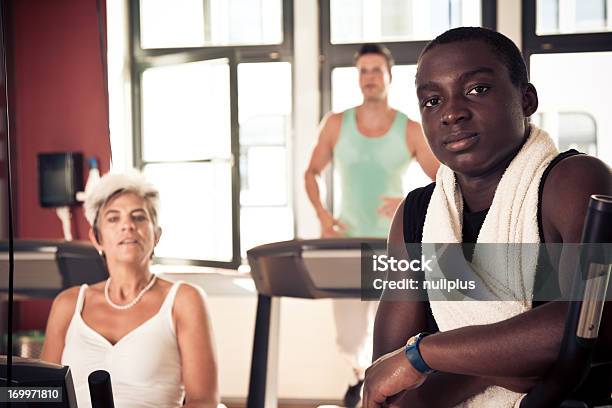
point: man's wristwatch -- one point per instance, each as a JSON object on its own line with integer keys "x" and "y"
{"x": 414, "y": 355}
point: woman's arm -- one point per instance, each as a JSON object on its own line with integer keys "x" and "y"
{"x": 195, "y": 340}
{"x": 57, "y": 325}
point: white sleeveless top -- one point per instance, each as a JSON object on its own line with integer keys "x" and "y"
{"x": 144, "y": 365}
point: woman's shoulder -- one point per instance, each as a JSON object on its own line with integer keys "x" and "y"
{"x": 190, "y": 306}
{"x": 186, "y": 297}
{"x": 67, "y": 298}
{"x": 188, "y": 293}
{"x": 64, "y": 305}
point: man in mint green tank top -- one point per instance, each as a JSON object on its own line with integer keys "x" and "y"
{"x": 371, "y": 146}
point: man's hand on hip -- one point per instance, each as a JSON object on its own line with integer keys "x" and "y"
{"x": 389, "y": 206}
{"x": 330, "y": 227}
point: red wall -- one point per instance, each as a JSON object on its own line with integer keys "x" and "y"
{"x": 58, "y": 101}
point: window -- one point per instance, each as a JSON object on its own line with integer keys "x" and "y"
{"x": 408, "y": 26}
{"x": 568, "y": 47}
{"x": 264, "y": 106}
{"x": 573, "y": 130}
{"x": 572, "y": 16}
{"x": 212, "y": 83}
{"x": 199, "y": 23}
{"x": 357, "y": 21}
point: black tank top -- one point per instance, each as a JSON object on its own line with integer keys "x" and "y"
{"x": 415, "y": 209}
{"x": 417, "y": 201}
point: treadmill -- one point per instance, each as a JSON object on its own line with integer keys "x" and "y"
{"x": 307, "y": 269}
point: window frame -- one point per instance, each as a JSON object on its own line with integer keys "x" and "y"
{"x": 557, "y": 43}
{"x": 142, "y": 59}
{"x": 533, "y": 44}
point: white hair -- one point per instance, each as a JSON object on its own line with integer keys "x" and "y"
{"x": 112, "y": 184}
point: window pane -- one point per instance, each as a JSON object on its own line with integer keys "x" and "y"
{"x": 265, "y": 122}
{"x": 264, "y": 102}
{"x": 572, "y": 16}
{"x": 186, "y": 111}
{"x": 256, "y": 227}
{"x": 263, "y": 175}
{"x": 590, "y": 15}
{"x": 356, "y": 21}
{"x": 573, "y": 112}
{"x": 547, "y": 16}
{"x": 178, "y": 25}
{"x": 264, "y": 129}
{"x": 264, "y": 113}
{"x": 345, "y": 88}
{"x": 575, "y": 130}
{"x": 196, "y": 23}
{"x": 196, "y": 209}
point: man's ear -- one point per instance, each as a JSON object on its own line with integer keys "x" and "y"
{"x": 530, "y": 100}
{"x": 94, "y": 240}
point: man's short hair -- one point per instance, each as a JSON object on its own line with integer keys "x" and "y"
{"x": 501, "y": 45}
{"x": 379, "y": 49}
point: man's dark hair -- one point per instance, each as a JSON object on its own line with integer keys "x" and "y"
{"x": 379, "y": 49}
{"x": 501, "y": 45}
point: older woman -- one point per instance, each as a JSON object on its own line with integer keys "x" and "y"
{"x": 153, "y": 336}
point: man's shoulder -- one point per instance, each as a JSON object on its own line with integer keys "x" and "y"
{"x": 414, "y": 132}
{"x": 418, "y": 199}
{"x": 567, "y": 189}
{"x": 422, "y": 192}
{"x": 332, "y": 122}
{"x": 415, "y": 210}
{"x": 329, "y": 129}
{"x": 333, "y": 118}
{"x": 577, "y": 173}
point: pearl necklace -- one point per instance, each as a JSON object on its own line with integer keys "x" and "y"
{"x": 134, "y": 301}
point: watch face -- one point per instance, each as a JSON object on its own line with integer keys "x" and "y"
{"x": 412, "y": 341}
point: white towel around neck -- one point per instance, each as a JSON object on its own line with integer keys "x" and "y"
{"x": 512, "y": 218}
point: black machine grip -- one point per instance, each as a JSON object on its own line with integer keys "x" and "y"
{"x": 574, "y": 359}
{"x": 100, "y": 389}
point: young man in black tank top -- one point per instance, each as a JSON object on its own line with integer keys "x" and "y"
{"x": 475, "y": 103}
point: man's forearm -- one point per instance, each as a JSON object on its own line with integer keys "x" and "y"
{"x": 523, "y": 346}
{"x": 312, "y": 191}
{"x": 457, "y": 388}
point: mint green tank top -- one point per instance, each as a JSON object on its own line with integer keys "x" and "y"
{"x": 366, "y": 168}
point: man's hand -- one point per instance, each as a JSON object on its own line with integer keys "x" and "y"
{"x": 388, "y": 206}
{"x": 330, "y": 227}
{"x": 388, "y": 376}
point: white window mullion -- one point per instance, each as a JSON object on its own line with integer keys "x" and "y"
{"x": 372, "y": 25}
{"x": 567, "y": 16}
